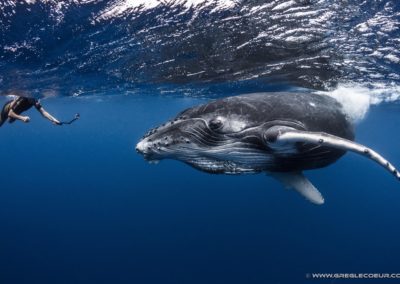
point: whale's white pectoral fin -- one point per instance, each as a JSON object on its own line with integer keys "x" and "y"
{"x": 301, "y": 184}
{"x": 284, "y": 135}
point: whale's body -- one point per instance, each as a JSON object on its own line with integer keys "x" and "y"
{"x": 247, "y": 116}
{"x": 278, "y": 133}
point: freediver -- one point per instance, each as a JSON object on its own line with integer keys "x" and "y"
{"x": 13, "y": 109}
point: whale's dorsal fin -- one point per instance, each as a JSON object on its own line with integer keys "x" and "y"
{"x": 282, "y": 135}
{"x": 301, "y": 184}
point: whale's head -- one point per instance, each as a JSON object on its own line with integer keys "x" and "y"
{"x": 210, "y": 138}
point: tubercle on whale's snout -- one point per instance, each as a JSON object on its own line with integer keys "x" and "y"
{"x": 157, "y": 143}
{"x": 168, "y": 123}
{"x": 148, "y": 145}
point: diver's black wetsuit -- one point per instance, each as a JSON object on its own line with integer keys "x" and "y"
{"x": 18, "y": 105}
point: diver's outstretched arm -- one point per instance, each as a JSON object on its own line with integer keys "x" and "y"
{"x": 12, "y": 114}
{"x": 47, "y": 115}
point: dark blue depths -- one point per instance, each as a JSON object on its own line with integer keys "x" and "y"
{"x": 78, "y": 205}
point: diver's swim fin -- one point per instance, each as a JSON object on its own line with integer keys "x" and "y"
{"x": 298, "y": 182}
{"x": 285, "y": 135}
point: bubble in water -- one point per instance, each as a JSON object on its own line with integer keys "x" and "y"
{"x": 356, "y": 99}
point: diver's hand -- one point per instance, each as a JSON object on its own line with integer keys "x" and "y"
{"x": 26, "y": 119}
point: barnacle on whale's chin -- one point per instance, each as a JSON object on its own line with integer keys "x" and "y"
{"x": 153, "y": 162}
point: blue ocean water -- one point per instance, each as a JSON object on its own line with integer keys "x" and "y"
{"x": 79, "y": 205}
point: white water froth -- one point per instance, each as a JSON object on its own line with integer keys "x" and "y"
{"x": 120, "y": 7}
{"x": 356, "y": 99}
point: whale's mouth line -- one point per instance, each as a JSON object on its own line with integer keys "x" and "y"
{"x": 150, "y": 157}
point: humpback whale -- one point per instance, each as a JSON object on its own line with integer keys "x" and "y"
{"x": 281, "y": 134}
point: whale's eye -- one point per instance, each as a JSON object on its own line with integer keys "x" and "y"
{"x": 215, "y": 124}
